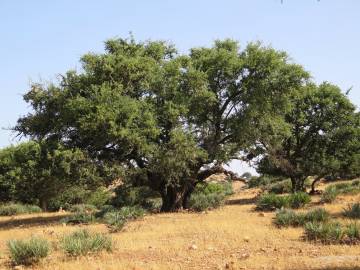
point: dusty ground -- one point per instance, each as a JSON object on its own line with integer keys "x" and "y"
{"x": 233, "y": 237}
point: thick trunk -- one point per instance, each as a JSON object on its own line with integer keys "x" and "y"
{"x": 172, "y": 200}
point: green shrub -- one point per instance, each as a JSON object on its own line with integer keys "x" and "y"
{"x": 82, "y": 242}
{"x": 299, "y": 199}
{"x": 28, "y": 252}
{"x": 11, "y": 209}
{"x": 270, "y": 202}
{"x": 115, "y": 221}
{"x": 79, "y": 218}
{"x": 326, "y": 233}
{"x": 116, "y": 218}
{"x": 285, "y": 217}
{"x": 87, "y": 208}
{"x": 202, "y": 202}
{"x": 352, "y": 211}
{"x": 352, "y": 231}
{"x": 263, "y": 180}
{"x": 279, "y": 187}
{"x": 98, "y": 197}
{"x": 131, "y": 196}
{"x": 329, "y": 194}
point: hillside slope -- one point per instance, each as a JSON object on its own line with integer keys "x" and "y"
{"x": 233, "y": 237}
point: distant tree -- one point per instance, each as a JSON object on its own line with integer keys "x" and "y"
{"x": 172, "y": 120}
{"x": 324, "y": 138}
{"x": 33, "y": 172}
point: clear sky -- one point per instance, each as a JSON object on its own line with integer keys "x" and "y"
{"x": 42, "y": 38}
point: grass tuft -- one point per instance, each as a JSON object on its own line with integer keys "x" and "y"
{"x": 28, "y": 252}
{"x": 83, "y": 242}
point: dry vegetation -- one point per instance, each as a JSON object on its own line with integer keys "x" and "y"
{"x": 233, "y": 237}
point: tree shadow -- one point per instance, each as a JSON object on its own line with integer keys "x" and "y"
{"x": 243, "y": 201}
{"x": 30, "y": 222}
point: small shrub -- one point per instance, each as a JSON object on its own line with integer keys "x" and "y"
{"x": 352, "y": 231}
{"x": 299, "y": 199}
{"x": 202, "y": 202}
{"x": 115, "y": 221}
{"x": 131, "y": 196}
{"x": 79, "y": 218}
{"x": 98, "y": 197}
{"x": 352, "y": 211}
{"x": 329, "y": 194}
{"x": 11, "y": 209}
{"x": 279, "y": 187}
{"x": 285, "y": 217}
{"x": 326, "y": 233}
{"x": 270, "y": 202}
{"x": 88, "y": 208}
{"x": 82, "y": 242}
{"x": 28, "y": 252}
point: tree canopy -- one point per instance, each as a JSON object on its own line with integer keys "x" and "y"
{"x": 324, "y": 138}
{"x": 171, "y": 120}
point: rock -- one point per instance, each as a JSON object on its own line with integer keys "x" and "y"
{"x": 245, "y": 255}
{"x": 247, "y": 239}
{"x": 261, "y": 214}
{"x": 263, "y": 249}
{"x": 18, "y": 267}
{"x": 193, "y": 247}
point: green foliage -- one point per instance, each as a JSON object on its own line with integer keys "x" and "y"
{"x": 352, "y": 211}
{"x": 28, "y": 252}
{"x": 83, "y": 242}
{"x": 11, "y": 209}
{"x": 332, "y": 191}
{"x": 81, "y": 217}
{"x": 326, "y": 233}
{"x": 352, "y": 231}
{"x": 116, "y": 218}
{"x": 209, "y": 195}
{"x": 263, "y": 180}
{"x": 99, "y": 197}
{"x": 285, "y": 217}
{"x": 271, "y": 201}
{"x": 201, "y": 202}
{"x": 280, "y": 187}
{"x": 35, "y": 172}
{"x": 299, "y": 199}
{"x": 324, "y": 138}
{"x": 165, "y": 115}
{"x": 132, "y": 196}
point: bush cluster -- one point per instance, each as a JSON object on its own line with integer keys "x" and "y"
{"x": 82, "y": 242}
{"x": 286, "y": 217}
{"x": 332, "y": 233}
{"x": 11, "y": 209}
{"x": 28, "y": 252}
{"x": 352, "y": 211}
{"x": 332, "y": 191}
{"x": 209, "y": 195}
{"x": 271, "y": 201}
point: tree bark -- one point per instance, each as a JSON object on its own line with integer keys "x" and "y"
{"x": 172, "y": 200}
{"x": 297, "y": 184}
{"x": 317, "y": 179}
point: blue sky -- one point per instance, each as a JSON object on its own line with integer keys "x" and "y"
{"x": 41, "y": 38}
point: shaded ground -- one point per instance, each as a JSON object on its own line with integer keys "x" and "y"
{"x": 233, "y": 237}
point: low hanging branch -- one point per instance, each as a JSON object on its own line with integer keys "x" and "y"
{"x": 215, "y": 170}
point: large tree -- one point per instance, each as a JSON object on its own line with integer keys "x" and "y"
{"x": 324, "y": 138}
{"x": 171, "y": 119}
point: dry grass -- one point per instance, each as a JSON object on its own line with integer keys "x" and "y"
{"x": 233, "y": 237}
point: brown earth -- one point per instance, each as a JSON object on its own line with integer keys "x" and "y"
{"x": 232, "y": 237}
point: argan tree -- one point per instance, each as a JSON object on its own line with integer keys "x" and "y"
{"x": 324, "y": 138}
{"x": 170, "y": 119}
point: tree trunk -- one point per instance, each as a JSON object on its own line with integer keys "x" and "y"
{"x": 172, "y": 200}
{"x": 43, "y": 204}
{"x": 317, "y": 179}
